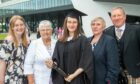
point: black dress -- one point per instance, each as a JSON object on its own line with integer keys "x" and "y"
{"x": 72, "y": 55}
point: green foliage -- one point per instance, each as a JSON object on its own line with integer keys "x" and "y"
{"x": 2, "y": 36}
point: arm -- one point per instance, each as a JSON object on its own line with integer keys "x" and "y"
{"x": 30, "y": 78}
{"x": 2, "y": 69}
{"x": 75, "y": 74}
{"x": 29, "y": 62}
{"x": 113, "y": 67}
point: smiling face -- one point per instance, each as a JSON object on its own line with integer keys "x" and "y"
{"x": 19, "y": 27}
{"x": 97, "y": 26}
{"x": 118, "y": 17}
{"x": 45, "y": 29}
{"x": 45, "y": 32}
{"x": 72, "y": 24}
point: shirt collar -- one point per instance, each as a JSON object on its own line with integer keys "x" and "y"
{"x": 122, "y": 27}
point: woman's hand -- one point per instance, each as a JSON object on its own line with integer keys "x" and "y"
{"x": 30, "y": 79}
{"x": 70, "y": 77}
{"x": 49, "y": 63}
{"x": 75, "y": 74}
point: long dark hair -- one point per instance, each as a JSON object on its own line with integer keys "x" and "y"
{"x": 65, "y": 29}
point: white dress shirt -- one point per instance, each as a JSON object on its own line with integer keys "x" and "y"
{"x": 122, "y": 28}
{"x": 35, "y": 61}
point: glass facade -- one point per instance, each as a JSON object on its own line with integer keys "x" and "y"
{"x": 2, "y": 1}
{"x": 36, "y": 10}
{"x": 32, "y": 5}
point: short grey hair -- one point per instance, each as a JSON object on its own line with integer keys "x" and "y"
{"x": 120, "y": 8}
{"x": 45, "y": 23}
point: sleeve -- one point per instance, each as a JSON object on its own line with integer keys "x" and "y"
{"x": 5, "y": 50}
{"x": 112, "y": 61}
{"x": 138, "y": 35}
{"x": 86, "y": 61}
{"x": 56, "y": 53}
{"x": 55, "y": 58}
{"x": 29, "y": 59}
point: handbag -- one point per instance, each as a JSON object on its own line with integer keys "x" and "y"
{"x": 122, "y": 79}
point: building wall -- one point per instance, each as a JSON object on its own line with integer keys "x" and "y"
{"x": 94, "y": 8}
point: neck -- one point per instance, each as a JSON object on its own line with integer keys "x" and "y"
{"x": 47, "y": 42}
{"x": 19, "y": 39}
{"x": 98, "y": 35}
{"x": 96, "y": 38}
{"x": 71, "y": 34}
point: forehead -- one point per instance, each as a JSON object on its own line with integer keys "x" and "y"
{"x": 45, "y": 27}
{"x": 97, "y": 21}
{"x": 18, "y": 21}
{"x": 116, "y": 11}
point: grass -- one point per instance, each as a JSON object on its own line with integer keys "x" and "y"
{"x": 2, "y": 36}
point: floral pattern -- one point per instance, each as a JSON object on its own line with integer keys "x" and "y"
{"x": 14, "y": 58}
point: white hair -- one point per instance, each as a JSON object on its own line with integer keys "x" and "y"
{"x": 45, "y": 23}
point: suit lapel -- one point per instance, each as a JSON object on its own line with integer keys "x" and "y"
{"x": 99, "y": 45}
{"x": 127, "y": 33}
{"x": 112, "y": 32}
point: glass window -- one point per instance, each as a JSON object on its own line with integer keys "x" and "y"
{"x": 5, "y": 1}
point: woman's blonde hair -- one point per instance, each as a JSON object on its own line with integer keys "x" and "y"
{"x": 12, "y": 34}
{"x": 99, "y": 19}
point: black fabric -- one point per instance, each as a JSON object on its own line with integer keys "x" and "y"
{"x": 72, "y": 55}
{"x": 131, "y": 49}
{"x": 120, "y": 48}
{"x": 25, "y": 80}
{"x": 122, "y": 79}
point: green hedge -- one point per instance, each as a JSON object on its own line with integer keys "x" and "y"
{"x": 2, "y": 36}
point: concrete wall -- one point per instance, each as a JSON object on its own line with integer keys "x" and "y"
{"x": 94, "y": 9}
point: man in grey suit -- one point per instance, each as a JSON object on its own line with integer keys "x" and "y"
{"x": 128, "y": 39}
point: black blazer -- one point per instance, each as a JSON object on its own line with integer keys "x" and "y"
{"x": 131, "y": 48}
{"x": 106, "y": 60}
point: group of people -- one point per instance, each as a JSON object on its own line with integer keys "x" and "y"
{"x": 98, "y": 59}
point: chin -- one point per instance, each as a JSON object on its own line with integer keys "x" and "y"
{"x": 20, "y": 33}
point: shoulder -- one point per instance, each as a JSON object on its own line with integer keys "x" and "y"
{"x": 109, "y": 28}
{"x": 33, "y": 42}
{"x": 53, "y": 40}
{"x": 134, "y": 28}
{"x": 83, "y": 37}
{"x": 90, "y": 38}
{"x": 9, "y": 38}
{"x": 108, "y": 37}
